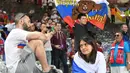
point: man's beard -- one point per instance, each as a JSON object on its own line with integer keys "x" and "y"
{"x": 25, "y": 27}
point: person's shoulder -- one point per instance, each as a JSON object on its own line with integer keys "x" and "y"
{"x": 100, "y": 54}
{"x": 76, "y": 54}
{"x": 17, "y": 30}
{"x": 76, "y": 24}
{"x": 13, "y": 30}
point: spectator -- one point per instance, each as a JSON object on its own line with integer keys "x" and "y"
{"x": 1, "y": 21}
{"x": 80, "y": 27}
{"x": 119, "y": 57}
{"x": 3, "y": 34}
{"x": 45, "y": 18}
{"x": 72, "y": 52}
{"x": 21, "y": 59}
{"x": 1, "y": 18}
{"x": 38, "y": 25}
{"x": 50, "y": 4}
{"x": 113, "y": 12}
{"x": 1, "y": 46}
{"x": 59, "y": 48}
{"x": 55, "y": 16}
{"x": 127, "y": 12}
{"x": 124, "y": 29}
{"x": 88, "y": 59}
{"x": 44, "y": 5}
{"x": 32, "y": 28}
{"x": 10, "y": 26}
{"x": 47, "y": 45}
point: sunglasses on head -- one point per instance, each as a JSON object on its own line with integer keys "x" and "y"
{"x": 22, "y": 16}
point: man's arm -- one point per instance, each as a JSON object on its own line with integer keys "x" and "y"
{"x": 128, "y": 61}
{"x": 36, "y": 36}
{"x": 128, "y": 57}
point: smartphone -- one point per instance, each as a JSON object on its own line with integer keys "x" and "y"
{"x": 52, "y": 29}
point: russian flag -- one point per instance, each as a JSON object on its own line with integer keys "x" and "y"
{"x": 65, "y": 7}
{"x": 81, "y": 66}
{"x": 21, "y": 46}
{"x": 77, "y": 69}
{"x": 66, "y": 13}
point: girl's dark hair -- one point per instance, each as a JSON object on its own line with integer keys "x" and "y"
{"x": 92, "y": 57}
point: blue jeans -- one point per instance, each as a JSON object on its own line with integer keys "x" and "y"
{"x": 48, "y": 56}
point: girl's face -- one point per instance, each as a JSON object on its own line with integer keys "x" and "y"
{"x": 85, "y": 48}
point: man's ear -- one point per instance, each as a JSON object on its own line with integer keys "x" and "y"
{"x": 21, "y": 21}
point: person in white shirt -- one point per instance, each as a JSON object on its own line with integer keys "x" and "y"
{"x": 47, "y": 45}
{"x": 55, "y": 16}
{"x": 88, "y": 59}
{"x": 20, "y": 46}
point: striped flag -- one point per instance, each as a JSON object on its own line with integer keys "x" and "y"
{"x": 97, "y": 18}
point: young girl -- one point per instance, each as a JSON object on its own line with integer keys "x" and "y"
{"x": 88, "y": 59}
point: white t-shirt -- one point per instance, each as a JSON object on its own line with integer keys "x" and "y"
{"x": 98, "y": 67}
{"x": 16, "y": 37}
{"x": 48, "y": 46}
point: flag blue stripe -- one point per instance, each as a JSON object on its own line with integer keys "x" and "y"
{"x": 65, "y": 10}
{"x": 76, "y": 69}
{"x": 101, "y": 12}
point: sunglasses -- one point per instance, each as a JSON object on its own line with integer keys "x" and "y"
{"x": 117, "y": 35}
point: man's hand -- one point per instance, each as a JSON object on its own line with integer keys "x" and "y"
{"x": 58, "y": 46}
{"x": 50, "y": 34}
{"x": 72, "y": 56}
